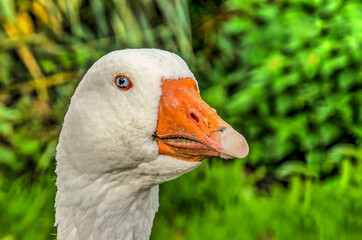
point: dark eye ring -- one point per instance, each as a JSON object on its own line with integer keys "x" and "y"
{"x": 123, "y": 82}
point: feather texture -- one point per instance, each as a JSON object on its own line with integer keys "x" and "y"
{"x": 108, "y": 165}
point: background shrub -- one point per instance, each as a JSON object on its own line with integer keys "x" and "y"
{"x": 287, "y": 74}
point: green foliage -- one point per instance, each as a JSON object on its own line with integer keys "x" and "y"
{"x": 294, "y": 79}
{"x": 223, "y": 204}
{"x": 286, "y": 74}
{"x": 27, "y": 210}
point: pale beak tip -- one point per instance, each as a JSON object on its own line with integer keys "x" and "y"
{"x": 234, "y": 145}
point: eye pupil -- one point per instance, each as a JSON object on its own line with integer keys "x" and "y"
{"x": 122, "y": 82}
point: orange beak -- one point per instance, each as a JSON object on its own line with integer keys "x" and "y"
{"x": 189, "y": 129}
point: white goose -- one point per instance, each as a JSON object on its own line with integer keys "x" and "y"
{"x": 136, "y": 120}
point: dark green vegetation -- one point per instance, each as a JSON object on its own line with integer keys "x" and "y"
{"x": 286, "y": 74}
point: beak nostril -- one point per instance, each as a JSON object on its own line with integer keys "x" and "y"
{"x": 194, "y": 117}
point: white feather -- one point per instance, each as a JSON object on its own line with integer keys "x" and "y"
{"x": 108, "y": 165}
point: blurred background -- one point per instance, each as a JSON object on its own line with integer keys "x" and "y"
{"x": 285, "y": 73}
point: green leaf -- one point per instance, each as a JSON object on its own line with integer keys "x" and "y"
{"x": 315, "y": 160}
{"x": 215, "y": 96}
{"x": 26, "y": 146}
{"x": 47, "y": 155}
{"x": 7, "y": 156}
{"x": 293, "y": 167}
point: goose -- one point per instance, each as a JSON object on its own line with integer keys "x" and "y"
{"x": 136, "y": 120}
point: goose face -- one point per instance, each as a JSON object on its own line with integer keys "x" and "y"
{"x": 140, "y": 108}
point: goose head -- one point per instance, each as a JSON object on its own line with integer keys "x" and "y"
{"x": 141, "y": 109}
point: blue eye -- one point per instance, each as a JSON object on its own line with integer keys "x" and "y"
{"x": 122, "y": 82}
